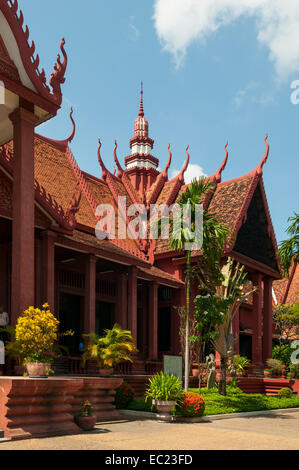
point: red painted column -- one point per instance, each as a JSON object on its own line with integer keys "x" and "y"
{"x": 267, "y": 323}
{"x": 90, "y": 294}
{"x": 236, "y": 332}
{"x": 122, "y": 300}
{"x": 48, "y": 271}
{"x": 179, "y": 301}
{"x": 257, "y": 353}
{"x": 153, "y": 321}
{"x": 22, "y": 282}
{"x": 132, "y": 302}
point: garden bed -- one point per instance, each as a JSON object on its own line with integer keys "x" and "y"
{"x": 234, "y": 402}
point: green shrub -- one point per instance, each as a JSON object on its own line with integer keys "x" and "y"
{"x": 164, "y": 387}
{"x": 124, "y": 395}
{"x": 285, "y": 393}
{"x": 192, "y": 405}
{"x": 294, "y": 371}
{"x": 283, "y": 354}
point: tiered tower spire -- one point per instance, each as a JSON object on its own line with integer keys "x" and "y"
{"x": 141, "y": 164}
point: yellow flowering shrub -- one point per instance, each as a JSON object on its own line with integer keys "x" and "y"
{"x": 37, "y": 331}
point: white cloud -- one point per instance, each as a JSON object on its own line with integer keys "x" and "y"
{"x": 180, "y": 22}
{"x": 193, "y": 171}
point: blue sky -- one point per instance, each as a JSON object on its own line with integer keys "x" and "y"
{"x": 200, "y": 87}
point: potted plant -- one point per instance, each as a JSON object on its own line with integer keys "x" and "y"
{"x": 240, "y": 364}
{"x": 195, "y": 370}
{"x": 276, "y": 367}
{"x": 116, "y": 346}
{"x": 36, "y": 333}
{"x": 165, "y": 391}
{"x": 85, "y": 419}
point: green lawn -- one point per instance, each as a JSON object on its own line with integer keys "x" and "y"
{"x": 235, "y": 402}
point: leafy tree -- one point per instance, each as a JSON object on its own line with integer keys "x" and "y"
{"x": 232, "y": 293}
{"x": 289, "y": 249}
{"x": 214, "y": 236}
{"x": 286, "y": 320}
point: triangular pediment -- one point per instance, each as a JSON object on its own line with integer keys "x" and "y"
{"x": 254, "y": 238}
{"x": 7, "y": 66}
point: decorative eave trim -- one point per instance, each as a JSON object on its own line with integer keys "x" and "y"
{"x": 141, "y": 156}
{"x": 60, "y": 145}
{"x": 9, "y": 9}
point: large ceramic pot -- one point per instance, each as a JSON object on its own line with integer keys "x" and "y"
{"x": 86, "y": 422}
{"x": 39, "y": 370}
{"x": 164, "y": 408}
{"x": 105, "y": 372}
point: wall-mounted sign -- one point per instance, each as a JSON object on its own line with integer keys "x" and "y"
{"x": 173, "y": 365}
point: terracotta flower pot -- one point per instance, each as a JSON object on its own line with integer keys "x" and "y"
{"x": 195, "y": 371}
{"x": 164, "y": 408}
{"x": 105, "y": 372}
{"x": 38, "y": 369}
{"x": 86, "y": 422}
{"x": 267, "y": 373}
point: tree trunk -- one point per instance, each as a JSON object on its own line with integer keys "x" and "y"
{"x": 187, "y": 321}
{"x": 222, "y": 381}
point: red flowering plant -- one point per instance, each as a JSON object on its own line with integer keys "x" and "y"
{"x": 191, "y": 404}
{"x": 85, "y": 409}
{"x": 124, "y": 395}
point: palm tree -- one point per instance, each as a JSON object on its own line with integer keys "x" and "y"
{"x": 116, "y": 346}
{"x": 214, "y": 236}
{"x": 289, "y": 249}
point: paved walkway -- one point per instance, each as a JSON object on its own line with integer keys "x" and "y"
{"x": 267, "y": 432}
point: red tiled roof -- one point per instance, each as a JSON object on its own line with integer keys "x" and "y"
{"x": 287, "y": 290}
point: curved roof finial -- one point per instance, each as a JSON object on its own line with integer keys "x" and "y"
{"x": 223, "y": 165}
{"x": 265, "y": 157}
{"x": 141, "y": 111}
{"x": 183, "y": 170}
{"x": 165, "y": 171}
{"x": 104, "y": 169}
{"x": 71, "y": 137}
{"x": 120, "y": 170}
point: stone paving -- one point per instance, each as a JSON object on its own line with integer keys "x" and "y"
{"x": 275, "y": 431}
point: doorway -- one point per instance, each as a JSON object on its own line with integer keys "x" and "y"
{"x": 164, "y": 329}
{"x": 246, "y": 346}
{"x": 70, "y": 317}
{"x": 104, "y": 317}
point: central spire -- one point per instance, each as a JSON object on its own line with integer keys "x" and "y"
{"x": 141, "y": 164}
{"x": 141, "y": 112}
